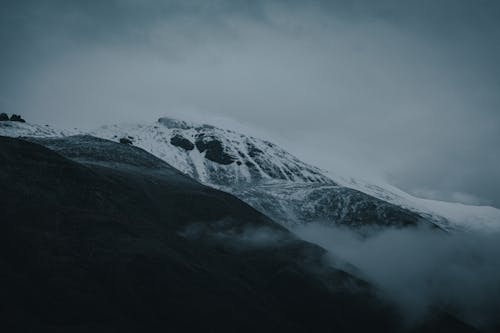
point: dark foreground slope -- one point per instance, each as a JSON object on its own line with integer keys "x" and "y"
{"x": 117, "y": 240}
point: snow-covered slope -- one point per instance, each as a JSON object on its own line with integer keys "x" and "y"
{"x": 274, "y": 181}
{"x": 18, "y": 129}
{"x": 213, "y": 155}
{"x": 450, "y": 215}
{"x": 292, "y": 203}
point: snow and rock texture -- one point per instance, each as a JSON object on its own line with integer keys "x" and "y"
{"x": 260, "y": 173}
{"x": 213, "y": 155}
{"x": 449, "y": 215}
{"x": 297, "y": 203}
{"x": 275, "y": 182}
{"x": 87, "y": 149}
{"x": 18, "y": 129}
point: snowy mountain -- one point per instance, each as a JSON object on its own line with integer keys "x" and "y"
{"x": 19, "y": 129}
{"x": 275, "y": 182}
{"x": 292, "y": 203}
{"x": 260, "y": 173}
{"x": 449, "y": 215}
{"x": 213, "y": 155}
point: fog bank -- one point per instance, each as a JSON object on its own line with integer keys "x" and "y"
{"x": 421, "y": 270}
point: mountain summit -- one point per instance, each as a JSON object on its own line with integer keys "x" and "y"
{"x": 213, "y": 155}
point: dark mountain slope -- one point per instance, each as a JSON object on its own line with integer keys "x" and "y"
{"x": 132, "y": 245}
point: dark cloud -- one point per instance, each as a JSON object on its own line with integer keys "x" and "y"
{"x": 408, "y": 89}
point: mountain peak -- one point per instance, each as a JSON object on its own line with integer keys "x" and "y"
{"x": 172, "y": 123}
{"x": 214, "y": 155}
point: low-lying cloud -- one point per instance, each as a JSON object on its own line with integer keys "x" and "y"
{"x": 422, "y": 270}
{"x": 240, "y": 238}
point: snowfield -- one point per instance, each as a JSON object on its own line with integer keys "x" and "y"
{"x": 454, "y": 215}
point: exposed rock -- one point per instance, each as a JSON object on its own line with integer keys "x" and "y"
{"x": 16, "y": 117}
{"x": 182, "y": 142}
{"x": 126, "y": 141}
{"x": 253, "y": 151}
{"x": 214, "y": 150}
{"x": 174, "y": 123}
{"x": 216, "y": 153}
{"x": 204, "y": 127}
{"x": 4, "y": 117}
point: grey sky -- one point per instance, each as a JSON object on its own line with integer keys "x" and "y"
{"x": 406, "y": 89}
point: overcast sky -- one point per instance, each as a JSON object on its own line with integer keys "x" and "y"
{"x": 408, "y": 90}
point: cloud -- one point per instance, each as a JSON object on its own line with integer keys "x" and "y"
{"x": 400, "y": 88}
{"x": 465, "y": 198}
{"x": 422, "y": 270}
{"x": 236, "y": 237}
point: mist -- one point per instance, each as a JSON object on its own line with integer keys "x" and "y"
{"x": 421, "y": 270}
{"x": 403, "y": 90}
{"x": 239, "y": 238}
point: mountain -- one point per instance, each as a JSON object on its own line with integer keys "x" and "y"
{"x": 19, "y": 129}
{"x": 287, "y": 189}
{"x": 213, "y": 155}
{"x": 275, "y": 182}
{"x": 449, "y": 215}
{"x": 102, "y": 237}
{"x": 297, "y": 203}
{"x": 260, "y": 173}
